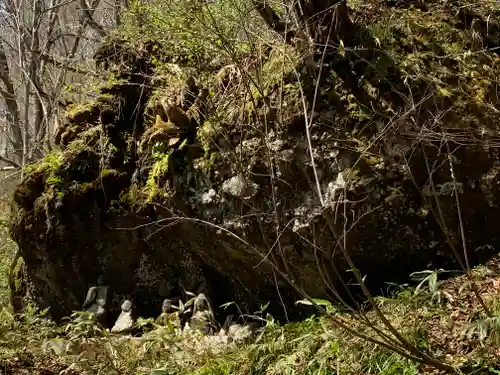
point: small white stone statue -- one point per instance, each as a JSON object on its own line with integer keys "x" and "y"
{"x": 203, "y": 316}
{"x": 125, "y": 321}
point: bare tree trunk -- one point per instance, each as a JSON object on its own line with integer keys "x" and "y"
{"x": 42, "y": 116}
{"x": 29, "y": 76}
{"x": 33, "y": 82}
{"x": 118, "y": 10}
{"x": 40, "y": 34}
{"x": 54, "y": 102}
{"x": 10, "y": 99}
{"x": 272, "y": 19}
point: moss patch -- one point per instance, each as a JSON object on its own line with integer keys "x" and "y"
{"x": 157, "y": 185}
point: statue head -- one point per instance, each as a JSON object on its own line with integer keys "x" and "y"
{"x": 100, "y": 280}
{"x": 126, "y": 305}
{"x": 201, "y": 303}
{"x": 166, "y": 306}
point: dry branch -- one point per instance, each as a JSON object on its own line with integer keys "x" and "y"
{"x": 12, "y": 164}
{"x": 88, "y": 17}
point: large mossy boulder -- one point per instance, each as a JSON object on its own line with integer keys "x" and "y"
{"x": 174, "y": 190}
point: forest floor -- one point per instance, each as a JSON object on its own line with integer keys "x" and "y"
{"x": 444, "y": 319}
{"x": 449, "y": 319}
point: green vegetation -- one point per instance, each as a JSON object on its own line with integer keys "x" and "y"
{"x": 7, "y": 251}
{"x": 191, "y": 33}
{"x": 405, "y": 58}
{"x": 207, "y": 134}
{"x": 452, "y": 327}
{"x": 52, "y": 162}
{"x": 158, "y": 173}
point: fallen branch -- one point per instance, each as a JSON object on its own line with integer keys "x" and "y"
{"x": 13, "y": 164}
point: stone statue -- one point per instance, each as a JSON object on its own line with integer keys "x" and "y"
{"x": 238, "y": 333}
{"x": 203, "y": 316}
{"x": 125, "y": 321}
{"x": 168, "y": 315}
{"x": 228, "y": 322}
{"x": 233, "y": 332}
{"x": 96, "y": 299}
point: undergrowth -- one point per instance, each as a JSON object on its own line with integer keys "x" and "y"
{"x": 453, "y": 329}
{"x": 7, "y": 251}
{"x": 443, "y": 319}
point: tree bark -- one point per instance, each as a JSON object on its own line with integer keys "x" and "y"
{"x": 270, "y": 16}
{"x": 9, "y": 97}
{"x": 118, "y": 10}
{"x": 34, "y": 77}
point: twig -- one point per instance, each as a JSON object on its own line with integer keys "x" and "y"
{"x": 12, "y": 164}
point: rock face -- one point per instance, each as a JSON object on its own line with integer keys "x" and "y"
{"x": 255, "y": 217}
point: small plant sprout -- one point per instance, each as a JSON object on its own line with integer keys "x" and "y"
{"x": 429, "y": 280}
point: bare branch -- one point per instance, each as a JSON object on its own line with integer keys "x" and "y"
{"x": 57, "y": 6}
{"x": 313, "y": 18}
{"x": 66, "y": 65}
{"x": 10, "y": 162}
{"x": 88, "y": 17}
{"x": 270, "y": 17}
{"x": 50, "y": 98}
{"x": 62, "y": 36}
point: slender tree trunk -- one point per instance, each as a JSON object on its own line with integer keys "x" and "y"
{"x": 13, "y": 115}
{"x": 118, "y": 10}
{"x": 33, "y": 83}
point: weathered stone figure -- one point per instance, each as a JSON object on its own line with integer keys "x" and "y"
{"x": 168, "y": 314}
{"x": 96, "y": 300}
{"x": 228, "y": 322}
{"x": 203, "y": 316}
{"x": 238, "y": 333}
{"x": 125, "y": 321}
